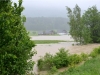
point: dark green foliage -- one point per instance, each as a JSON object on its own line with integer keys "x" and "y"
{"x": 46, "y": 62}
{"x": 15, "y": 44}
{"x": 61, "y": 58}
{"x": 64, "y": 59}
{"x": 84, "y": 28}
{"x": 92, "y": 22}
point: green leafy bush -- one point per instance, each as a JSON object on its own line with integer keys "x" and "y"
{"x": 61, "y": 58}
{"x": 53, "y": 70}
{"x": 46, "y": 62}
{"x": 15, "y": 44}
{"x": 84, "y": 56}
{"x": 95, "y": 52}
{"x": 74, "y": 59}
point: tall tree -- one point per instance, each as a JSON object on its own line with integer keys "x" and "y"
{"x": 15, "y": 44}
{"x": 92, "y": 23}
{"x": 75, "y": 23}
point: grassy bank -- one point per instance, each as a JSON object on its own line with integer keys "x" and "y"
{"x": 90, "y": 67}
{"x": 47, "y": 41}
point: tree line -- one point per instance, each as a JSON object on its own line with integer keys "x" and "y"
{"x": 84, "y": 28}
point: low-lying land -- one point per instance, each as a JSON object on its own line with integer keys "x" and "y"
{"x": 52, "y": 44}
{"x": 62, "y": 58}
{"x": 63, "y": 37}
{"x": 42, "y": 49}
{"x": 48, "y": 41}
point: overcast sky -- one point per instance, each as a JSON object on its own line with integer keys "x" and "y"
{"x": 56, "y": 8}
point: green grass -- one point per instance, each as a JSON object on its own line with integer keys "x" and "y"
{"x": 90, "y": 67}
{"x": 47, "y": 41}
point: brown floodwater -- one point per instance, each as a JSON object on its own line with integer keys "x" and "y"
{"x": 53, "y": 48}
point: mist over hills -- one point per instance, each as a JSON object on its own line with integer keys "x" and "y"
{"x": 45, "y": 12}
{"x": 39, "y": 19}
{"x": 46, "y": 23}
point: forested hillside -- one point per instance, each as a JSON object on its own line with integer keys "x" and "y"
{"x": 46, "y": 23}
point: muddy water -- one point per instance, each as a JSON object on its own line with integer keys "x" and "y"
{"x": 53, "y": 48}
{"x": 42, "y": 49}
{"x": 49, "y": 48}
{"x": 63, "y": 37}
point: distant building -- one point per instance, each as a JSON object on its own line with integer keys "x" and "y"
{"x": 62, "y": 33}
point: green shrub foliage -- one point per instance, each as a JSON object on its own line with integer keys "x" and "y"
{"x": 46, "y": 62}
{"x": 15, "y": 44}
{"x": 95, "y": 52}
{"x": 64, "y": 59}
{"x": 59, "y": 60}
{"x": 74, "y": 59}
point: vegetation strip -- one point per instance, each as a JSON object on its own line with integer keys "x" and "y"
{"x": 47, "y": 41}
{"x": 90, "y": 67}
{"x": 52, "y": 63}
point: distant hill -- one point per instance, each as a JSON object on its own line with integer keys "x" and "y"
{"x": 46, "y": 23}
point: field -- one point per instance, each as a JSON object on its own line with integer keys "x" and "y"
{"x": 42, "y": 49}
{"x": 48, "y": 41}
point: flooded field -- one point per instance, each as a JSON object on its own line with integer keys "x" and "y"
{"x": 63, "y": 37}
{"x": 53, "y": 48}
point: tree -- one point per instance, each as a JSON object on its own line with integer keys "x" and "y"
{"x": 75, "y": 23}
{"x": 85, "y": 28}
{"x": 53, "y": 32}
{"x": 34, "y": 33}
{"x": 65, "y": 31}
{"x": 15, "y": 44}
{"x": 92, "y": 23}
